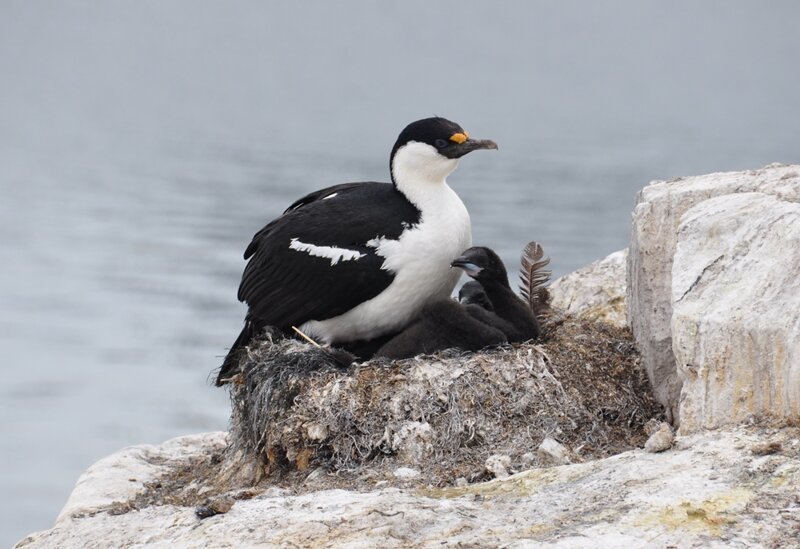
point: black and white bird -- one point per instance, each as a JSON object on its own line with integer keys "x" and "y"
{"x": 357, "y": 261}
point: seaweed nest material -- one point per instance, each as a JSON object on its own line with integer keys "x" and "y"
{"x": 295, "y": 410}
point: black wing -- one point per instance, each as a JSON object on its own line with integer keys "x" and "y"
{"x": 324, "y": 193}
{"x": 285, "y": 287}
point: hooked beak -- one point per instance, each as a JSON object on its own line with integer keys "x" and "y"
{"x": 467, "y": 266}
{"x": 460, "y": 149}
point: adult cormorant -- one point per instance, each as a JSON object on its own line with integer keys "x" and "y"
{"x": 357, "y": 261}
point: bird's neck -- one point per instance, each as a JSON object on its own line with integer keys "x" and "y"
{"x": 511, "y": 308}
{"x": 500, "y": 293}
{"x": 420, "y": 173}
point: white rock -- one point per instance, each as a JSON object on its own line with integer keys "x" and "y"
{"x": 498, "y": 465}
{"x": 527, "y": 460}
{"x": 120, "y": 476}
{"x": 656, "y": 218}
{"x": 662, "y": 438}
{"x": 552, "y": 452}
{"x": 692, "y": 496}
{"x": 595, "y": 292}
{"x": 412, "y": 441}
{"x": 736, "y": 310}
{"x": 316, "y": 431}
{"x": 406, "y": 473}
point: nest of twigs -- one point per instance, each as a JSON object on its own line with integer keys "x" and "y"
{"x": 295, "y": 408}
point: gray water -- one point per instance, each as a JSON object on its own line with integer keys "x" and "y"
{"x": 143, "y": 143}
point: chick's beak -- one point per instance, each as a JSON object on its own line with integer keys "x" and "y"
{"x": 467, "y": 266}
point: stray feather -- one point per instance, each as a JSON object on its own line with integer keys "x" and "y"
{"x": 533, "y": 277}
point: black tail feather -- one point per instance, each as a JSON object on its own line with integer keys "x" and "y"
{"x": 230, "y": 366}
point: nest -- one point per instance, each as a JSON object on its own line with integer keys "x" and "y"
{"x": 295, "y": 408}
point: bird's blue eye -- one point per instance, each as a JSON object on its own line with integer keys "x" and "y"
{"x": 440, "y": 143}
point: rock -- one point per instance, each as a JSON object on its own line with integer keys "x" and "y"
{"x": 652, "y": 426}
{"x": 552, "y": 452}
{"x": 216, "y": 506}
{"x": 661, "y": 438}
{"x": 412, "y": 441}
{"x": 121, "y": 476}
{"x": 498, "y": 465}
{"x": 527, "y": 460}
{"x": 654, "y": 233}
{"x": 692, "y": 496}
{"x": 736, "y": 310}
{"x": 316, "y": 432}
{"x": 317, "y": 474}
{"x": 406, "y": 473}
{"x": 595, "y": 292}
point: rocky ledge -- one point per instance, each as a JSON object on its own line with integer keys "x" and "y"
{"x": 735, "y": 487}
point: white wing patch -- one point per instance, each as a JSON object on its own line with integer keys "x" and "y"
{"x": 329, "y": 252}
{"x": 330, "y": 196}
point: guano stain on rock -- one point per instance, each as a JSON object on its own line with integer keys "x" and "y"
{"x": 709, "y": 516}
{"x": 519, "y": 485}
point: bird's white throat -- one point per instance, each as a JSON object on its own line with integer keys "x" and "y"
{"x": 418, "y": 168}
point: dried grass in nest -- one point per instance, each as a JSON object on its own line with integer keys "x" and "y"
{"x": 294, "y": 407}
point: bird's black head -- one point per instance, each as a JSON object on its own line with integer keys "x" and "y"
{"x": 472, "y": 293}
{"x": 483, "y": 265}
{"x": 430, "y": 146}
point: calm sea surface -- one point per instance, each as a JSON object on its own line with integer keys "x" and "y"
{"x": 143, "y": 143}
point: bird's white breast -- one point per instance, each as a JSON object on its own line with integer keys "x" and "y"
{"x": 420, "y": 259}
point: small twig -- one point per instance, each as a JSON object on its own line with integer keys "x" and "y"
{"x": 385, "y": 514}
{"x": 304, "y": 336}
{"x": 539, "y": 349}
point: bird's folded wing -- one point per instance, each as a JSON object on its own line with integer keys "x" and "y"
{"x": 313, "y": 262}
